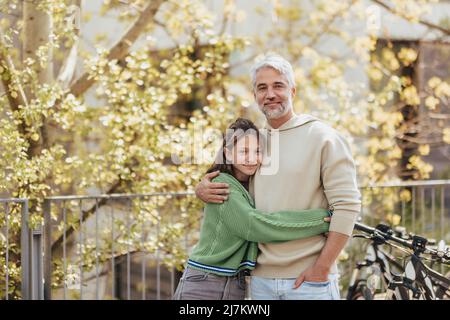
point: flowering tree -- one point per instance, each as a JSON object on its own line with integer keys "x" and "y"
{"x": 109, "y": 120}
{"x": 54, "y": 141}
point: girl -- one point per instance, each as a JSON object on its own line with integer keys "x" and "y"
{"x": 227, "y": 248}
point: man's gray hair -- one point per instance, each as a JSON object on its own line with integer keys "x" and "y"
{"x": 276, "y": 62}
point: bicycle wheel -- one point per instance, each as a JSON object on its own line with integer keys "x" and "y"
{"x": 442, "y": 292}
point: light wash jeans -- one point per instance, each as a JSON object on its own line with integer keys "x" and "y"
{"x": 282, "y": 289}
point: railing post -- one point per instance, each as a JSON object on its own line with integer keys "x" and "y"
{"x": 47, "y": 250}
{"x": 25, "y": 251}
{"x": 37, "y": 275}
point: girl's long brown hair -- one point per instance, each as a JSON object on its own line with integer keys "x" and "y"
{"x": 235, "y": 131}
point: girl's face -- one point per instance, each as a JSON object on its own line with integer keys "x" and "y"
{"x": 245, "y": 156}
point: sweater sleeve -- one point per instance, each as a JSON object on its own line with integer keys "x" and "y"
{"x": 254, "y": 225}
{"x": 338, "y": 176}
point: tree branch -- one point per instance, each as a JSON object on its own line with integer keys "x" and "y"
{"x": 440, "y": 116}
{"x": 21, "y": 98}
{"x": 328, "y": 25}
{"x": 418, "y": 141}
{"x": 86, "y": 214}
{"x": 404, "y": 16}
{"x": 120, "y": 50}
{"x": 164, "y": 27}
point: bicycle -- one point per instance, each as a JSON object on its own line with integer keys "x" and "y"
{"x": 414, "y": 281}
{"x": 379, "y": 266}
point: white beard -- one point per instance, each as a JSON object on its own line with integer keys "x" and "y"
{"x": 279, "y": 112}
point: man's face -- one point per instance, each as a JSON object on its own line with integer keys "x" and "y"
{"x": 273, "y": 93}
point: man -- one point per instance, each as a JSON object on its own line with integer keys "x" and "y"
{"x": 316, "y": 170}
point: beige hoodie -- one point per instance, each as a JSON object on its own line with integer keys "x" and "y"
{"x": 316, "y": 170}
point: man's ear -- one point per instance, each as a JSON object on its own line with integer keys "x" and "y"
{"x": 293, "y": 91}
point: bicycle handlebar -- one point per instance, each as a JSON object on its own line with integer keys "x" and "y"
{"x": 372, "y": 231}
{"x": 409, "y": 244}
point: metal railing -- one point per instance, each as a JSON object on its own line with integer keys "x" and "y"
{"x": 114, "y": 246}
{"x": 420, "y": 206}
{"x": 30, "y": 249}
{"x": 90, "y": 261}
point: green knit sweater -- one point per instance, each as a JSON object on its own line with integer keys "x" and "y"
{"x": 230, "y": 231}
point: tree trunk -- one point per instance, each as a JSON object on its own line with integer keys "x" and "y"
{"x": 36, "y": 31}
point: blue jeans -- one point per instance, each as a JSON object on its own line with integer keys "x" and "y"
{"x": 282, "y": 289}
